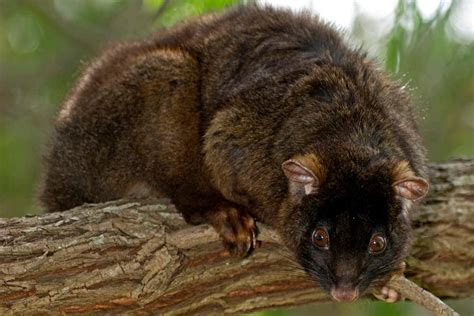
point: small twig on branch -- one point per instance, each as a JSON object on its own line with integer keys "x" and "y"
{"x": 420, "y": 296}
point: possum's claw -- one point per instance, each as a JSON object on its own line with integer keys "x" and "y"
{"x": 237, "y": 229}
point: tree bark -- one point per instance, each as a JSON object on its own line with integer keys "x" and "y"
{"x": 141, "y": 257}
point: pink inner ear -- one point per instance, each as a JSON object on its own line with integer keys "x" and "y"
{"x": 412, "y": 189}
{"x": 300, "y": 174}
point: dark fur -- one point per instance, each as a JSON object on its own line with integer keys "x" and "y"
{"x": 207, "y": 112}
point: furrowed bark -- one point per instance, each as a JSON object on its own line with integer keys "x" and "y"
{"x": 141, "y": 257}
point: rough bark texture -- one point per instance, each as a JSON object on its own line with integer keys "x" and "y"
{"x": 141, "y": 257}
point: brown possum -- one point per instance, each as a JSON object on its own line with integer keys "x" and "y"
{"x": 256, "y": 114}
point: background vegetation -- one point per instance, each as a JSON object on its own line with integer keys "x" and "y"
{"x": 45, "y": 44}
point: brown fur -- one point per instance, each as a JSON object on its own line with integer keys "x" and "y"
{"x": 401, "y": 171}
{"x": 207, "y": 112}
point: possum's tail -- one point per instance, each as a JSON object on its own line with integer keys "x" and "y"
{"x": 65, "y": 182}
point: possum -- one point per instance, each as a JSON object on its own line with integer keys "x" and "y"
{"x": 253, "y": 114}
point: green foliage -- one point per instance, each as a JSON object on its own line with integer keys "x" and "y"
{"x": 177, "y": 10}
{"x": 440, "y": 69}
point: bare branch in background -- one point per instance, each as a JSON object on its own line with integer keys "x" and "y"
{"x": 160, "y": 10}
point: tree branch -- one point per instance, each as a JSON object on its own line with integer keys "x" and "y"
{"x": 130, "y": 256}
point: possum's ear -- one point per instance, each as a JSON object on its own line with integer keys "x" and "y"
{"x": 412, "y": 189}
{"x": 304, "y": 174}
{"x": 406, "y": 184}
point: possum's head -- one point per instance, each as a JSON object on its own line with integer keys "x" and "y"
{"x": 347, "y": 222}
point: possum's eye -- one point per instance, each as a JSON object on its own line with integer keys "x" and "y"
{"x": 321, "y": 238}
{"x": 377, "y": 243}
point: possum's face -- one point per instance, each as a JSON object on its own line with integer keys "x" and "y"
{"x": 349, "y": 244}
{"x": 353, "y": 225}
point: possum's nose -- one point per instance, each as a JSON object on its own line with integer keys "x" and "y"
{"x": 344, "y": 293}
{"x": 345, "y": 286}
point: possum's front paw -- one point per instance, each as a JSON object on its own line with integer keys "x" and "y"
{"x": 386, "y": 293}
{"x": 389, "y": 295}
{"x": 236, "y": 228}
